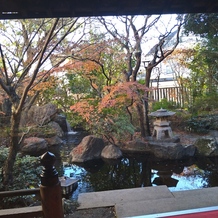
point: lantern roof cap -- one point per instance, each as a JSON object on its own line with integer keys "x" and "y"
{"x": 162, "y": 113}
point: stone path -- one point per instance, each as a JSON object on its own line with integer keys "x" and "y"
{"x": 149, "y": 200}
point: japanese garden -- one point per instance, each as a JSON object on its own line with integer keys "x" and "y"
{"x": 122, "y": 102}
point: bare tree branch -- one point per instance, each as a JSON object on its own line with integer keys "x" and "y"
{"x": 25, "y": 92}
{"x": 4, "y": 66}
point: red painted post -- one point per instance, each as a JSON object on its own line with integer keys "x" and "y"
{"x": 50, "y": 188}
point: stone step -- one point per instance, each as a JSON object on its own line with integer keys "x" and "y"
{"x": 149, "y": 200}
{"x": 110, "y": 198}
{"x": 131, "y": 209}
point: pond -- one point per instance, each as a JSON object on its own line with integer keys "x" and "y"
{"x": 136, "y": 170}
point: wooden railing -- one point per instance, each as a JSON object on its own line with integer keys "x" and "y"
{"x": 50, "y": 194}
{"x": 21, "y": 192}
{"x": 25, "y": 212}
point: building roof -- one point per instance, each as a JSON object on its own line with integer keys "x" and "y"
{"x": 18, "y": 9}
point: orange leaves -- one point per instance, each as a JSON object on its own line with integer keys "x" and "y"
{"x": 109, "y": 115}
{"x": 89, "y": 66}
{"x": 122, "y": 94}
{"x": 89, "y": 57}
{"x": 107, "y": 103}
{"x": 182, "y": 56}
{"x": 84, "y": 67}
{"x": 42, "y": 83}
{"x": 115, "y": 97}
{"x": 84, "y": 109}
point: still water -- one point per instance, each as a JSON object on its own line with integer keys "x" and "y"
{"x": 138, "y": 171}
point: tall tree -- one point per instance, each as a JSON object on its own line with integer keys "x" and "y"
{"x": 25, "y": 50}
{"x": 97, "y": 64}
{"x": 131, "y": 34}
{"x": 205, "y": 25}
{"x": 92, "y": 65}
{"x": 204, "y": 64}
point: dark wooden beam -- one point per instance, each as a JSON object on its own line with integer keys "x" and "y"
{"x": 18, "y": 9}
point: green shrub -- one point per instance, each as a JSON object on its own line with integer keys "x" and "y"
{"x": 205, "y": 104}
{"x": 118, "y": 127}
{"x": 26, "y": 169}
{"x": 164, "y": 103}
{"x": 198, "y": 124}
{"x": 26, "y": 175}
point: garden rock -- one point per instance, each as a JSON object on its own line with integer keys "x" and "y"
{"x": 190, "y": 150}
{"x": 57, "y": 129}
{"x": 167, "y": 150}
{"x": 160, "y": 149}
{"x": 62, "y": 122}
{"x": 90, "y": 148}
{"x": 214, "y": 122}
{"x": 54, "y": 141}
{"x": 111, "y": 152}
{"x": 38, "y": 115}
{"x": 207, "y": 146}
{"x": 54, "y": 144}
{"x": 34, "y": 146}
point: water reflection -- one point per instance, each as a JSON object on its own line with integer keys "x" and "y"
{"x": 141, "y": 171}
{"x": 192, "y": 177}
{"x": 130, "y": 173}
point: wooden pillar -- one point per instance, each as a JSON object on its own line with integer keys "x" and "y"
{"x": 50, "y": 188}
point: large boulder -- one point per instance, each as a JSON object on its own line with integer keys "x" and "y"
{"x": 167, "y": 150}
{"x": 54, "y": 145}
{"x": 90, "y": 148}
{"x": 111, "y": 152}
{"x": 54, "y": 141}
{"x": 62, "y": 122}
{"x": 190, "y": 150}
{"x": 207, "y": 146}
{"x": 56, "y": 128}
{"x": 38, "y": 115}
{"x": 34, "y": 146}
{"x": 45, "y": 121}
{"x": 160, "y": 149}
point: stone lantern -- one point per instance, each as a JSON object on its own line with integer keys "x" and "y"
{"x": 161, "y": 124}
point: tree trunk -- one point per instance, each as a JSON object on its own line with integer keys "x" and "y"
{"x": 13, "y": 149}
{"x": 141, "y": 120}
{"x": 148, "y": 76}
{"x": 147, "y": 84}
{"x": 146, "y": 118}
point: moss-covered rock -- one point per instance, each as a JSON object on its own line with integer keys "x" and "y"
{"x": 206, "y": 146}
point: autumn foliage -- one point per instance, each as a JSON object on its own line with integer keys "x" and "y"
{"x": 110, "y": 115}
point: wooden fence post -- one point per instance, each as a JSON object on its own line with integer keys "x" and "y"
{"x": 50, "y": 188}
